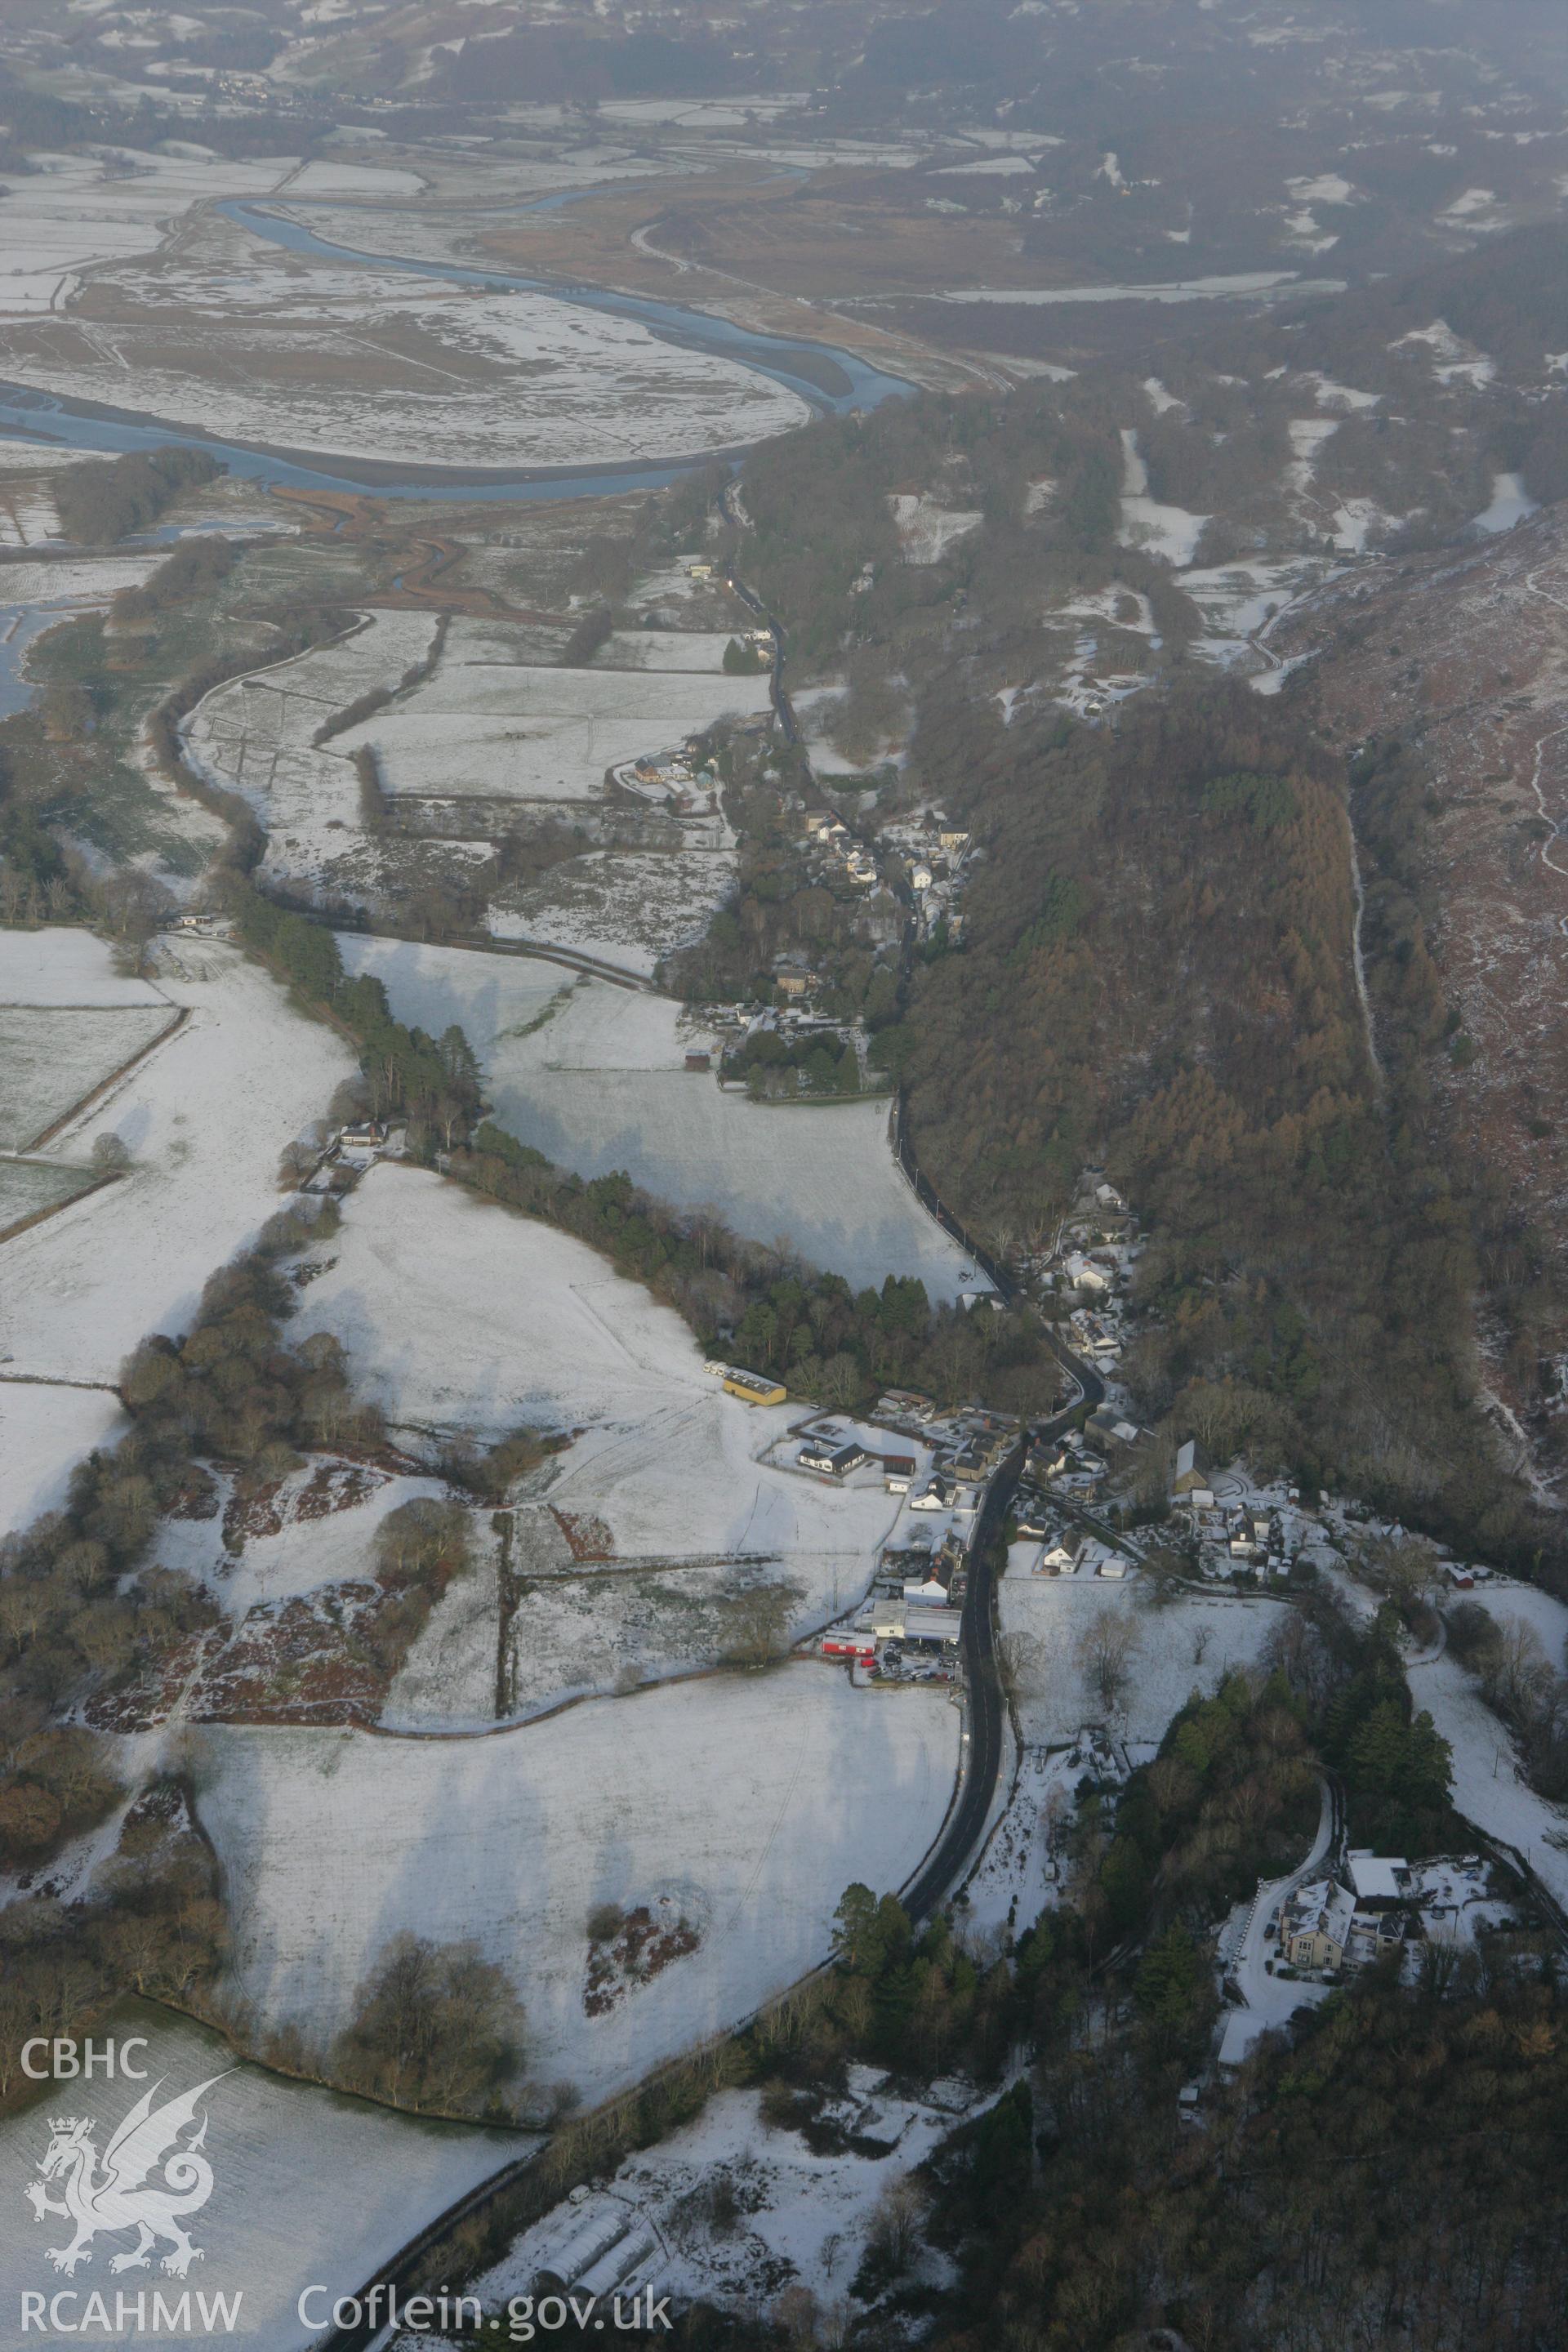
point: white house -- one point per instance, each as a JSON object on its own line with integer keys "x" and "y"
{"x": 936, "y": 1494}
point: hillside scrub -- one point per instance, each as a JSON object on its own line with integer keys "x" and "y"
{"x": 88, "y": 1614}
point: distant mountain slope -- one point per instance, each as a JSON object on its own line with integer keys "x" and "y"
{"x": 1454, "y": 670}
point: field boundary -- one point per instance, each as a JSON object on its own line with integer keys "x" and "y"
{"x": 52, "y": 1209}
{"x": 182, "y": 1014}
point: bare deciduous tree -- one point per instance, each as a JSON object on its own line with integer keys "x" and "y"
{"x": 1104, "y": 1652}
{"x": 896, "y": 2223}
{"x": 1018, "y": 1656}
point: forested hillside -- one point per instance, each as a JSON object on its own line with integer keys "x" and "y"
{"x": 1159, "y": 973}
{"x": 1159, "y": 965}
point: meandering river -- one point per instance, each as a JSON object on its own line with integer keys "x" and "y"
{"x": 833, "y": 381}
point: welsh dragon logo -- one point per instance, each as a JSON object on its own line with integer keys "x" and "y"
{"x": 124, "y": 2191}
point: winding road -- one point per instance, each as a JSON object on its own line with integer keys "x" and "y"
{"x": 963, "y": 1834}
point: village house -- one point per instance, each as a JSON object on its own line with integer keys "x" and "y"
{"x": 1113, "y": 1431}
{"x": 831, "y": 1461}
{"x": 1315, "y": 1930}
{"x": 1060, "y": 1556}
{"x": 936, "y": 1494}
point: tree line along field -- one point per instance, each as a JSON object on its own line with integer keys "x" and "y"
{"x": 824, "y": 1179}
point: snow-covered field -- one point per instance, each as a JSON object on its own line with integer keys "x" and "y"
{"x": 1052, "y": 1613}
{"x": 50, "y": 1059}
{"x": 44, "y": 1432}
{"x": 73, "y": 211}
{"x": 28, "y": 1186}
{"x": 1164, "y": 530}
{"x": 678, "y": 649}
{"x": 751, "y": 1801}
{"x": 62, "y": 966}
{"x": 253, "y": 735}
{"x": 205, "y": 1115}
{"x": 1510, "y": 503}
{"x": 822, "y": 1178}
{"x": 1250, "y": 283}
{"x": 27, "y": 510}
{"x": 488, "y": 728}
{"x": 462, "y": 1316}
{"x": 308, "y": 2189}
{"x": 1489, "y": 1787}
{"x": 518, "y": 733}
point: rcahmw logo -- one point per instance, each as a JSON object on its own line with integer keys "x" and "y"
{"x": 151, "y": 2177}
